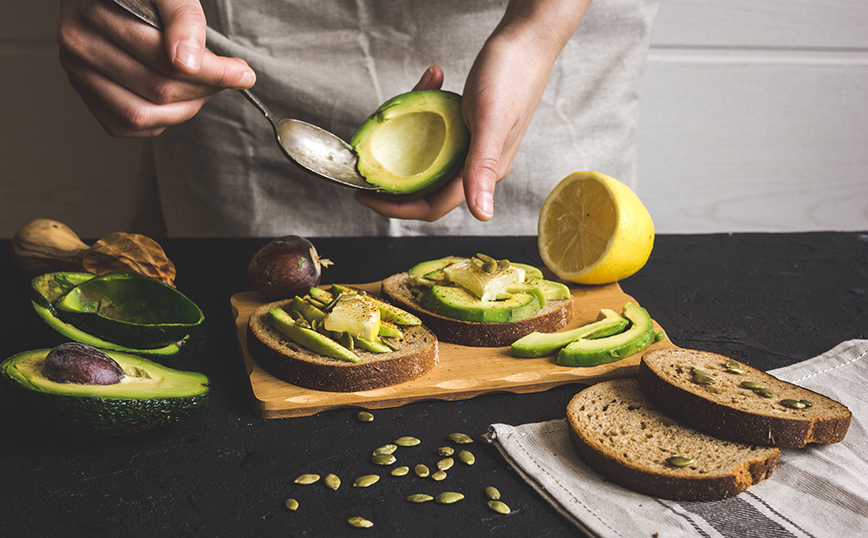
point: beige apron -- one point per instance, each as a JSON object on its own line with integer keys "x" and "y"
{"x": 333, "y": 62}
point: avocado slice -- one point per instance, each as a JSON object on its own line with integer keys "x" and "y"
{"x": 309, "y": 339}
{"x": 538, "y": 344}
{"x": 150, "y": 395}
{"x": 388, "y": 311}
{"x": 418, "y": 274}
{"x": 130, "y": 309}
{"x": 458, "y": 303}
{"x": 530, "y": 272}
{"x": 588, "y": 352}
{"x": 413, "y": 144}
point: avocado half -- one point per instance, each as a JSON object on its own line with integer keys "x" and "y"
{"x": 149, "y": 396}
{"x": 413, "y": 144}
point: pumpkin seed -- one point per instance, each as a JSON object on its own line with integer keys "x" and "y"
{"x": 679, "y": 461}
{"x": 383, "y": 459}
{"x": 360, "y": 522}
{"x": 420, "y": 498}
{"x": 407, "y": 441}
{"x": 438, "y": 475}
{"x": 696, "y": 370}
{"x": 460, "y": 438}
{"x": 366, "y": 480}
{"x": 364, "y": 416}
{"x": 733, "y": 367}
{"x": 445, "y": 464}
{"x": 306, "y": 479}
{"x": 701, "y": 379}
{"x": 808, "y": 403}
{"x": 467, "y": 457}
{"x": 390, "y": 343}
{"x": 291, "y": 504}
{"x": 492, "y": 493}
{"x": 385, "y": 449}
{"x": 499, "y": 507}
{"x": 792, "y": 404}
{"x": 400, "y": 471}
{"x": 445, "y": 451}
{"x": 765, "y": 392}
{"x": 421, "y": 470}
{"x": 332, "y": 481}
{"x": 752, "y": 385}
{"x": 448, "y": 497}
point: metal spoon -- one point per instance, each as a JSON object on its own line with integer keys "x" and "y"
{"x": 311, "y": 147}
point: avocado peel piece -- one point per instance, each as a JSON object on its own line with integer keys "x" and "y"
{"x": 538, "y": 344}
{"x": 149, "y": 396}
{"x": 588, "y": 352}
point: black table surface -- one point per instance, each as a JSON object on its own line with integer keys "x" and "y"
{"x": 767, "y": 299}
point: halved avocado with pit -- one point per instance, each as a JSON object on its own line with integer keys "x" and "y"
{"x": 413, "y": 144}
{"x": 149, "y": 396}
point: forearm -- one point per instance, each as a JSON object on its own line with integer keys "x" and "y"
{"x": 544, "y": 26}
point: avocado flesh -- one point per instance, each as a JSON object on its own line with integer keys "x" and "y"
{"x": 419, "y": 273}
{"x": 458, "y": 303}
{"x": 413, "y": 144}
{"x": 594, "y": 352}
{"x": 388, "y": 311}
{"x": 538, "y": 344}
{"x": 149, "y": 396}
{"x": 129, "y": 309}
{"x": 309, "y": 339}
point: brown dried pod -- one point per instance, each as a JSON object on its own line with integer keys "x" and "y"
{"x": 45, "y": 245}
{"x": 129, "y": 252}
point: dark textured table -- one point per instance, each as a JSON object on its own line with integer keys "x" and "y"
{"x": 766, "y": 299}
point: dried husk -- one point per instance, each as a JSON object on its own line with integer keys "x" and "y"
{"x": 122, "y": 251}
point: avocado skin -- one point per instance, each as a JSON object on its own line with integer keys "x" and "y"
{"x": 113, "y": 415}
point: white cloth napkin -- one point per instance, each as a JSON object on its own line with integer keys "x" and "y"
{"x": 818, "y": 491}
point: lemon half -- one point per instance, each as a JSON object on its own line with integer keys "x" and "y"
{"x": 593, "y": 229}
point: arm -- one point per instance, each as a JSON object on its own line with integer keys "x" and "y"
{"x": 501, "y": 94}
{"x": 135, "y": 80}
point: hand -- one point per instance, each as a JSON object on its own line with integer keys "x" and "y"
{"x": 135, "y": 80}
{"x": 501, "y": 94}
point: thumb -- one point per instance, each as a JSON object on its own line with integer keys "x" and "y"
{"x": 481, "y": 172}
{"x": 184, "y": 22}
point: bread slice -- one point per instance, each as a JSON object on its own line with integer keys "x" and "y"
{"x": 728, "y": 410}
{"x": 286, "y": 360}
{"x": 552, "y": 317}
{"x": 622, "y": 436}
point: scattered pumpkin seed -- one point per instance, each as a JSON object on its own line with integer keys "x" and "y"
{"x": 407, "y": 441}
{"x": 360, "y": 522}
{"x": 679, "y": 461}
{"x": 385, "y": 449}
{"x": 364, "y": 416}
{"x": 421, "y": 470}
{"x": 467, "y": 457}
{"x": 390, "y": 343}
{"x": 701, "y": 379}
{"x": 291, "y": 504}
{"x": 499, "y": 507}
{"x": 445, "y": 451}
{"x": 448, "y": 497}
{"x": 306, "y": 479}
{"x": 752, "y": 385}
{"x": 400, "y": 471}
{"x": 420, "y": 498}
{"x": 438, "y": 475}
{"x": 383, "y": 459}
{"x": 332, "y": 481}
{"x": 792, "y": 404}
{"x": 366, "y": 480}
{"x": 733, "y": 367}
{"x": 445, "y": 464}
{"x": 696, "y": 370}
{"x": 492, "y": 493}
{"x": 808, "y": 403}
{"x": 460, "y": 438}
{"x": 765, "y": 392}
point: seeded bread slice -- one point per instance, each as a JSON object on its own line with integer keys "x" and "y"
{"x": 728, "y": 410}
{"x": 622, "y": 436}
{"x": 286, "y": 360}
{"x": 552, "y": 317}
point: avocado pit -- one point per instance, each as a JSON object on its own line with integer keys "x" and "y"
{"x": 78, "y": 363}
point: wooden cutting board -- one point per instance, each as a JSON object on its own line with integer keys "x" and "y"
{"x": 463, "y": 372}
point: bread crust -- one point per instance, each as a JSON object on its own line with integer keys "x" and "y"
{"x": 769, "y": 423}
{"x": 658, "y": 480}
{"x": 294, "y": 364}
{"x": 555, "y": 315}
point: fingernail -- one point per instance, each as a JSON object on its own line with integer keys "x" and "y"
{"x": 248, "y": 79}
{"x": 484, "y": 203}
{"x": 426, "y": 77}
{"x": 189, "y": 54}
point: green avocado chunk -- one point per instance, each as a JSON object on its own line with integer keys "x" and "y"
{"x": 418, "y": 273}
{"x": 588, "y": 352}
{"x": 458, "y": 303}
{"x": 149, "y": 396}
{"x": 413, "y": 144}
{"x": 309, "y": 339}
{"x": 538, "y": 344}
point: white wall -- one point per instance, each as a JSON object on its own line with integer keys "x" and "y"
{"x": 754, "y": 118}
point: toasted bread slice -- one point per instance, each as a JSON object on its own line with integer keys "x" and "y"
{"x": 552, "y": 317}
{"x": 622, "y": 436}
{"x": 286, "y": 360}
{"x": 728, "y": 410}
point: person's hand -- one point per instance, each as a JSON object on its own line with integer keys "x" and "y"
{"x": 501, "y": 94}
{"x": 135, "y": 80}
